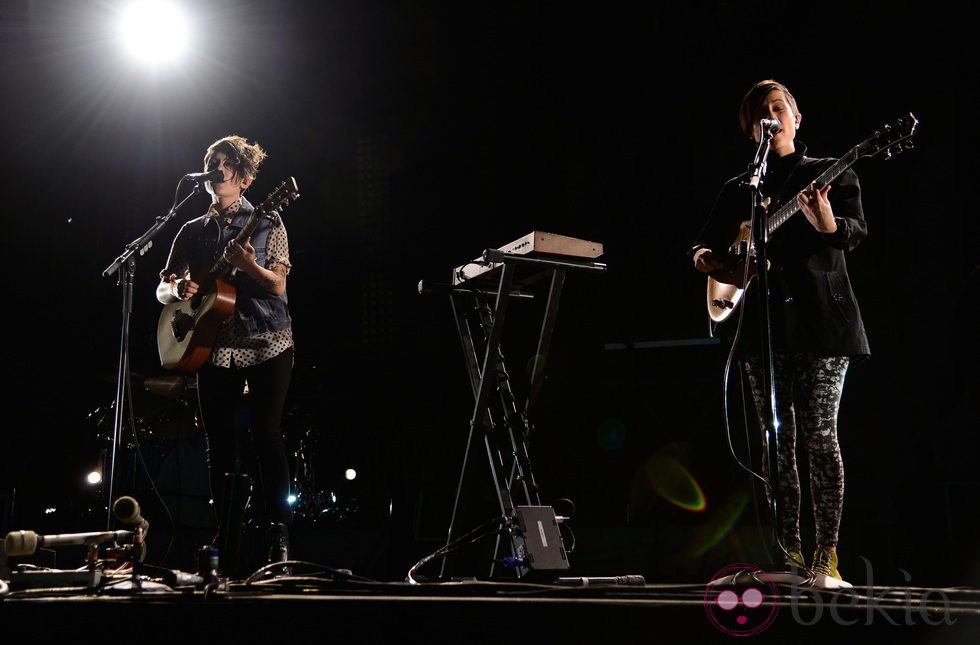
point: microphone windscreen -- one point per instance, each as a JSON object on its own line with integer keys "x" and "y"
{"x": 20, "y": 543}
{"x": 127, "y": 510}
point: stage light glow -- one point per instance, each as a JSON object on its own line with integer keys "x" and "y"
{"x": 94, "y": 467}
{"x": 154, "y": 31}
{"x": 350, "y": 474}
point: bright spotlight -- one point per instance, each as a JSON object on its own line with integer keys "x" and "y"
{"x": 153, "y": 31}
{"x": 94, "y": 477}
{"x": 350, "y": 474}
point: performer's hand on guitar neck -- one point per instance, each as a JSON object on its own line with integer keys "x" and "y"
{"x": 242, "y": 257}
{"x": 238, "y": 255}
{"x": 816, "y": 208}
{"x": 707, "y": 261}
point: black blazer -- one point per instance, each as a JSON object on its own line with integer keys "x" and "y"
{"x": 812, "y": 305}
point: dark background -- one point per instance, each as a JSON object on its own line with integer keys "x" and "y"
{"x": 421, "y": 133}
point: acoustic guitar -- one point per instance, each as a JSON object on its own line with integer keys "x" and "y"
{"x": 187, "y": 329}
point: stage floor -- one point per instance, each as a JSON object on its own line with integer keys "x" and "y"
{"x": 375, "y": 585}
{"x": 338, "y": 604}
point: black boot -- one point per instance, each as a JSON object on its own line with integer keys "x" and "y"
{"x": 279, "y": 547}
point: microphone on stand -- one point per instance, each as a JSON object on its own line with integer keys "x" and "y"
{"x": 768, "y": 129}
{"x": 214, "y": 176}
{"x": 772, "y": 125}
{"x": 127, "y": 510}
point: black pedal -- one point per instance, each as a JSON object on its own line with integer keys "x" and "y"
{"x": 544, "y": 547}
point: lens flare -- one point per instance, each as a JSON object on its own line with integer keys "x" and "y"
{"x": 672, "y": 481}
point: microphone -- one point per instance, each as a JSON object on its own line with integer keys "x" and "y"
{"x": 215, "y": 176}
{"x": 27, "y": 542}
{"x": 630, "y": 580}
{"x": 772, "y": 125}
{"x": 127, "y": 510}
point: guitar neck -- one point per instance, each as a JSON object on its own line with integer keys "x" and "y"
{"x": 279, "y": 197}
{"x": 221, "y": 267}
{"x": 790, "y": 208}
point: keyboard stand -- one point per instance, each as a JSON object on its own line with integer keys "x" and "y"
{"x": 480, "y": 312}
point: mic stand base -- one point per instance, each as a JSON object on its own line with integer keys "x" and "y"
{"x": 782, "y": 578}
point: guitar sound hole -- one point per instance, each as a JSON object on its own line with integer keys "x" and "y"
{"x": 181, "y": 325}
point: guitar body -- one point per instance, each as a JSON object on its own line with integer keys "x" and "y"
{"x": 726, "y": 286}
{"x": 187, "y": 329}
{"x": 723, "y": 298}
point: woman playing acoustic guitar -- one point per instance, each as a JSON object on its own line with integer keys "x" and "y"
{"x": 252, "y": 348}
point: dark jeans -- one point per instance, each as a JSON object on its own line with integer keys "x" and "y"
{"x": 229, "y": 416}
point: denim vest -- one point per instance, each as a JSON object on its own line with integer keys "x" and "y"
{"x": 259, "y": 310}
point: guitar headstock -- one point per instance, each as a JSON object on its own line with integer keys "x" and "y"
{"x": 890, "y": 140}
{"x": 280, "y": 196}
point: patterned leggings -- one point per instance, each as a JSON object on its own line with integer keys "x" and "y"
{"x": 808, "y": 393}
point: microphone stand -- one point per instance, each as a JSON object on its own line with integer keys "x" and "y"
{"x": 125, "y": 266}
{"x": 760, "y": 237}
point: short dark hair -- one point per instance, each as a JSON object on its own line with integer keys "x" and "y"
{"x": 241, "y": 155}
{"x": 750, "y": 110}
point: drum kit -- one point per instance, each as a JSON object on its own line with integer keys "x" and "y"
{"x": 161, "y": 446}
{"x": 312, "y": 504}
{"x": 165, "y": 441}
{"x": 166, "y": 429}
{"x": 165, "y": 408}
{"x": 177, "y": 416}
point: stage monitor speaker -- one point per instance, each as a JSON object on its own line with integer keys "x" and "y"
{"x": 542, "y": 539}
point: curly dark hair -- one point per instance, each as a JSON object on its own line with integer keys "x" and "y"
{"x": 241, "y": 155}
{"x": 750, "y": 110}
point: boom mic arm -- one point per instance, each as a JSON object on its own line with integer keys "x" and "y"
{"x": 27, "y": 542}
